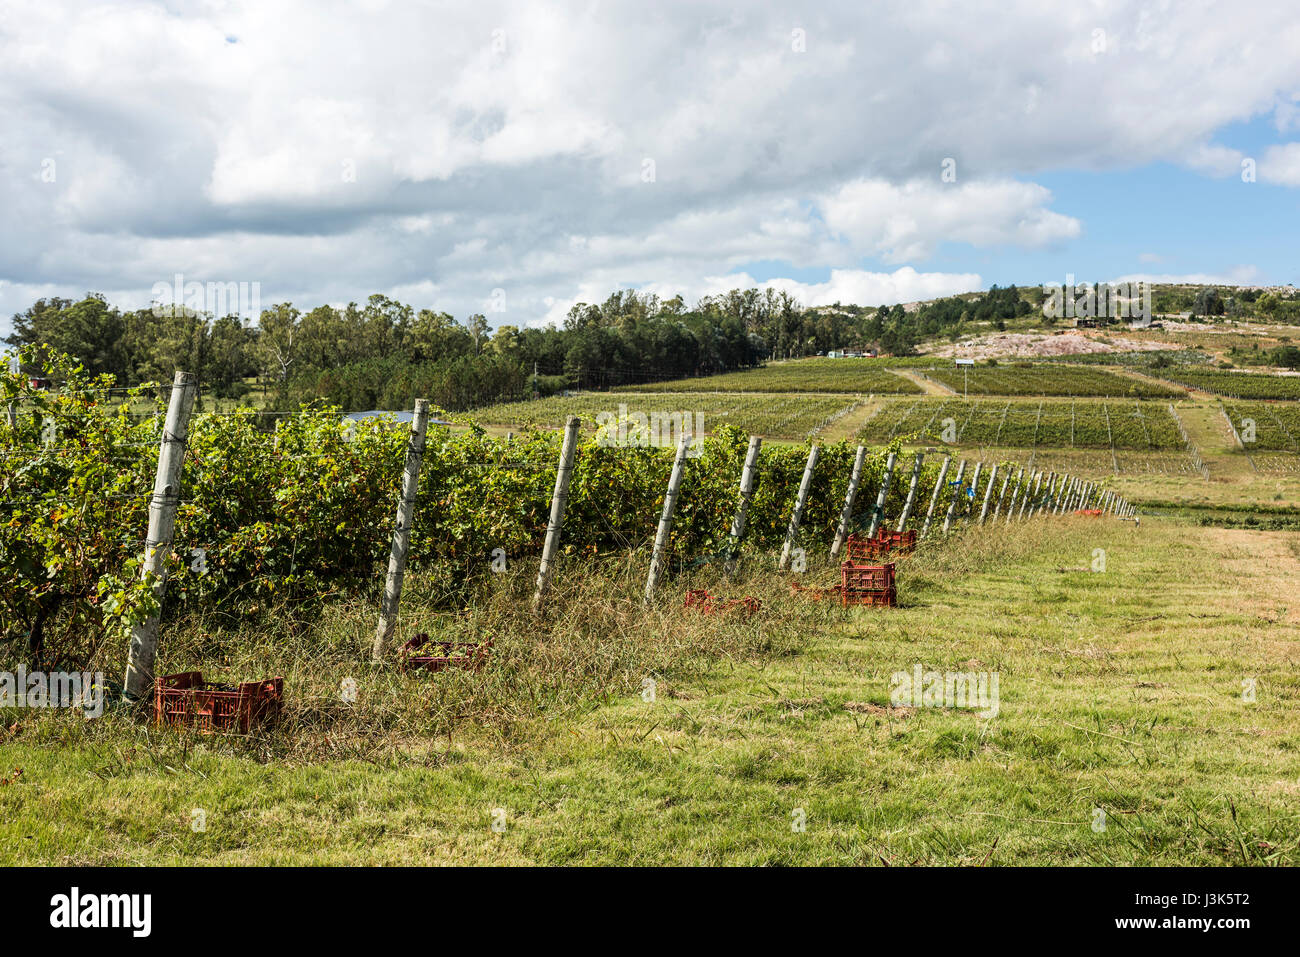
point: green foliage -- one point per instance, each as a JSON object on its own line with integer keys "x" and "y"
{"x": 74, "y": 481}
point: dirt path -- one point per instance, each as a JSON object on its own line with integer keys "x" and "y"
{"x": 847, "y": 427}
{"x": 928, "y": 386}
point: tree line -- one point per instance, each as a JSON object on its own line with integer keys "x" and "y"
{"x": 384, "y": 353}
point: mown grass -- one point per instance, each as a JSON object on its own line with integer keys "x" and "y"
{"x": 1119, "y": 690}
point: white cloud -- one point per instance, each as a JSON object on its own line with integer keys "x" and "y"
{"x": 1281, "y": 165}
{"x": 905, "y": 222}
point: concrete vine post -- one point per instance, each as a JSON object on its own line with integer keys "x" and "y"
{"x": 911, "y": 493}
{"x": 402, "y": 530}
{"x": 934, "y": 496}
{"x": 878, "y": 513}
{"x": 559, "y": 498}
{"x": 792, "y": 533}
{"x": 666, "y": 519}
{"x": 846, "y": 513}
{"x": 952, "y": 504}
{"x": 747, "y": 475}
{"x": 988, "y": 493}
{"x": 166, "y": 498}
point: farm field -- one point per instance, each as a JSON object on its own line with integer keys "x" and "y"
{"x": 1046, "y": 379}
{"x": 862, "y": 376}
{"x": 1051, "y": 423}
{"x": 1238, "y": 385}
{"x": 1119, "y": 691}
{"x": 789, "y": 416}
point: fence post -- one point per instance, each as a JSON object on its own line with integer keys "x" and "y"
{"x": 162, "y": 522}
{"x": 742, "y": 509}
{"x": 1002, "y": 495}
{"x": 666, "y": 519}
{"x": 934, "y": 496}
{"x": 952, "y": 505}
{"x": 558, "y": 498}
{"x": 1031, "y": 496}
{"x": 1064, "y": 493}
{"x": 402, "y": 530}
{"x": 911, "y": 493}
{"x": 796, "y": 516}
{"x": 878, "y": 512}
{"x": 988, "y": 493}
{"x": 1041, "y": 496}
{"x": 846, "y": 513}
{"x": 969, "y": 504}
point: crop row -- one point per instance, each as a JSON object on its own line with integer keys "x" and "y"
{"x": 860, "y": 376}
{"x": 1266, "y": 427}
{"x": 772, "y": 416}
{"x": 1240, "y": 385}
{"x": 1046, "y": 379}
{"x": 1054, "y": 424}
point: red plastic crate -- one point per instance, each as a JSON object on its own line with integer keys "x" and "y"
{"x": 866, "y": 577}
{"x": 884, "y": 597}
{"x": 816, "y": 592}
{"x": 185, "y": 700}
{"x": 900, "y": 542}
{"x": 471, "y": 655}
{"x": 862, "y": 549}
{"x": 716, "y": 605}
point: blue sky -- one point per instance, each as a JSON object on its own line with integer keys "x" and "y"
{"x": 546, "y": 156}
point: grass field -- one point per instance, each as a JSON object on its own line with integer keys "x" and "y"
{"x": 1120, "y": 691}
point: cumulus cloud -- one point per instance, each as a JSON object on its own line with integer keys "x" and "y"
{"x": 1280, "y": 165}
{"x": 906, "y": 221}
{"x": 441, "y": 150}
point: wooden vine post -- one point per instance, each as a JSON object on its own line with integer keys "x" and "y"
{"x": 792, "y": 533}
{"x": 143, "y": 648}
{"x": 846, "y": 513}
{"x": 657, "y": 558}
{"x": 551, "y": 547}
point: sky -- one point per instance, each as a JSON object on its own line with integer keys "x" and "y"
{"x": 515, "y": 158}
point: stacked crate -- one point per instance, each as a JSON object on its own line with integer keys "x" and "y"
{"x": 886, "y": 543}
{"x": 868, "y": 584}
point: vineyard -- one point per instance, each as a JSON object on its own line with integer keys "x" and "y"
{"x": 1026, "y": 425}
{"x": 791, "y": 417}
{"x": 1238, "y": 385}
{"x": 299, "y": 506}
{"x": 859, "y": 376}
{"x": 1053, "y": 379}
{"x": 1140, "y": 359}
